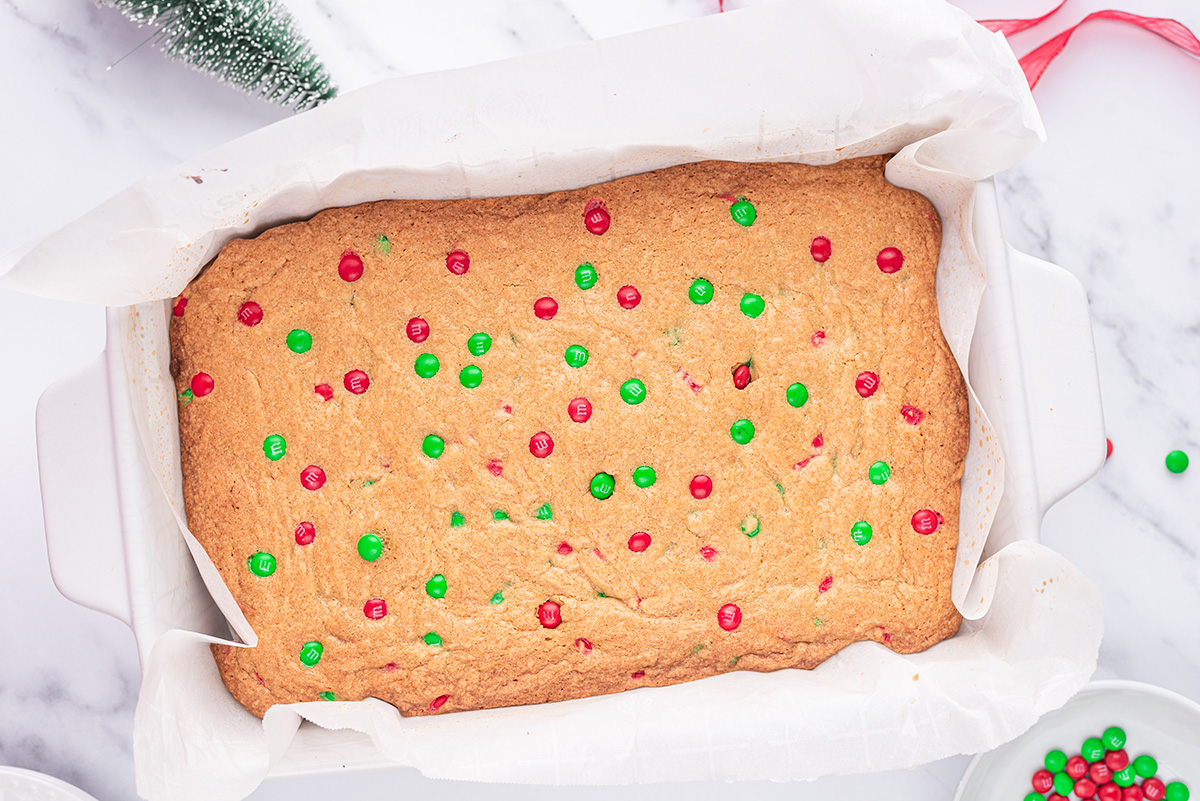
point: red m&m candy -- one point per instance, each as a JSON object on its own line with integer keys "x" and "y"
{"x": 549, "y": 614}
{"x": 583, "y": 646}
{"x": 202, "y": 384}
{"x": 1043, "y": 781}
{"x": 1099, "y": 773}
{"x": 579, "y": 410}
{"x": 927, "y": 522}
{"x": 1116, "y": 760}
{"x": 305, "y": 533}
{"x": 826, "y": 585}
{"x": 639, "y": 542}
{"x": 356, "y": 381}
{"x": 866, "y": 384}
{"x": 1153, "y": 789}
{"x": 729, "y": 617}
{"x": 889, "y": 260}
{"x": 818, "y": 339}
{"x": 250, "y": 313}
{"x": 1132, "y": 793}
{"x": 545, "y": 308}
{"x": 628, "y": 297}
{"x": 438, "y": 703}
{"x": 912, "y": 415}
{"x": 458, "y": 262}
{"x": 324, "y": 390}
{"x": 312, "y": 477}
{"x": 1111, "y": 792}
{"x": 741, "y": 376}
{"x": 180, "y": 305}
{"x": 541, "y": 445}
{"x": 595, "y": 217}
{"x": 708, "y": 553}
{"x": 701, "y": 487}
{"x": 1077, "y": 767}
{"x": 564, "y": 548}
{"x": 417, "y": 329}
{"x": 1085, "y": 788}
{"x": 350, "y": 268}
{"x": 375, "y": 609}
{"x": 821, "y": 249}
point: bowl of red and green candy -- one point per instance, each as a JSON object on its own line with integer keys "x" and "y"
{"x": 1114, "y": 741}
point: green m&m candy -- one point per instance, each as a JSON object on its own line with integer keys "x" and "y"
{"x": 797, "y": 395}
{"x": 499, "y": 514}
{"x": 310, "y": 653}
{"x": 633, "y": 392}
{"x": 644, "y": 476}
{"x": 753, "y": 305}
{"x": 1124, "y": 777}
{"x": 602, "y": 485}
{"x": 299, "y": 341}
{"x": 261, "y": 564}
{"x": 861, "y": 533}
{"x": 544, "y": 512}
{"x": 1113, "y": 738}
{"x": 879, "y": 473}
{"x": 327, "y": 696}
{"x": 479, "y": 344}
{"x": 1063, "y": 784}
{"x": 1177, "y": 461}
{"x": 751, "y": 526}
{"x": 370, "y": 547}
{"x": 586, "y": 276}
{"x": 432, "y": 638}
{"x": 1092, "y": 749}
{"x": 274, "y": 447}
{"x": 433, "y": 446}
{"x": 436, "y": 586}
{"x": 576, "y": 356}
{"x": 742, "y": 431}
{"x": 470, "y": 376}
{"x": 743, "y": 213}
{"x": 1055, "y": 761}
{"x": 498, "y": 598}
{"x": 1177, "y": 791}
{"x": 457, "y": 520}
{"x": 1145, "y": 766}
{"x": 427, "y": 365}
{"x": 700, "y": 292}
{"x": 1034, "y": 796}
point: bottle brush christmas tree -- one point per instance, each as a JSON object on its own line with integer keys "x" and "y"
{"x": 251, "y": 44}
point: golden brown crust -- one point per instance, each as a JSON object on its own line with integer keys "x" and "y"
{"x": 650, "y": 618}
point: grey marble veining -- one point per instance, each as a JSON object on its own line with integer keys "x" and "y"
{"x": 1111, "y": 197}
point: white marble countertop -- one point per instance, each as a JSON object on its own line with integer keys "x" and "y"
{"x": 1110, "y": 197}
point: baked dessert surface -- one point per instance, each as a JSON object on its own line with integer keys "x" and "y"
{"x": 443, "y": 561}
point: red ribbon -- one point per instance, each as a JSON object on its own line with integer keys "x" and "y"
{"x": 1034, "y": 62}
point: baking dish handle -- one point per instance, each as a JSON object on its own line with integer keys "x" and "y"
{"x": 78, "y": 477}
{"x": 1062, "y": 384}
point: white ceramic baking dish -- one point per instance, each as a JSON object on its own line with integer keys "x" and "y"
{"x": 1031, "y": 363}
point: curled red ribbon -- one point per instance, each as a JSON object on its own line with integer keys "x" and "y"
{"x": 1034, "y": 63}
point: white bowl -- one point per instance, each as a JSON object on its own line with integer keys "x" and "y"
{"x": 1157, "y": 722}
{"x": 26, "y": 785}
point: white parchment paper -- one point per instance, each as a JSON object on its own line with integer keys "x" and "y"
{"x": 811, "y": 82}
